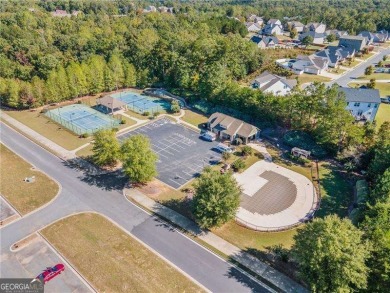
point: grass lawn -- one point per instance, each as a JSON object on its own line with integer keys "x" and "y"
{"x": 353, "y": 63}
{"x": 383, "y": 87}
{"x": 136, "y": 115}
{"x": 305, "y": 78}
{"x": 336, "y": 70}
{"x": 111, "y": 260}
{"x": 194, "y": 118}
{"x": 383, "y": 114}
{"x": 366, "y": 56}
{"x": 44, "y": 126}
{"x": 25, "y": 197}
{"x": 376, "y": 76}
{"x": 85, "y": 152}
{"x": 128, "y": 123}
{"x": 249, "y": 239}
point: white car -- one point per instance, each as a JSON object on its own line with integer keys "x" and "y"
{"x": 223, "y": 148}
{"x": 209, "y": 136}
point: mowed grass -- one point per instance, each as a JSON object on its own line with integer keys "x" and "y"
{"x": 49, "y": 129}
{"x": 25, "y": 197}
{"x": 253, "y": 241}
{"x": 194, "y": 118}
{"x": 305, "y": 78}
{"x": 111, "y": 260}
{"x": 383, "y": 87}
{"x": 376, "y": 76}
{"x": 352, "y": 64}
{"x": 383, "y": 114}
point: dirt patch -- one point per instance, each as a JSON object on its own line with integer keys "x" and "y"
{"x": 153, "y": 188}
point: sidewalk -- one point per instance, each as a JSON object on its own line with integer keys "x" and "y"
{"x": 59, "y": 150}
{"x": 263, "y": 270}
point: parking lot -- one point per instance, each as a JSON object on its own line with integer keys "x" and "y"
{"x": 182, "y": 154}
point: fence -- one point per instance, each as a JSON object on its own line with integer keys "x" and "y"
{"x": 111, "y": 123}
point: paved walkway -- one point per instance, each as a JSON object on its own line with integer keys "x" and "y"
{"x": 59, "y": 150}
{"x": 265, "y": 271}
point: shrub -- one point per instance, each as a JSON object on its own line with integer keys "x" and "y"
{"x": 303, "y": 140}
{"x": 238, "y": 165}
{"x": 246, "y": 150}
{"x": 84, "y": 135}
{"x": 155, "y": 114}
{"x": 146, "y": 113}
{"x": 226, "y": 156}
{"x": 123, "y": 121}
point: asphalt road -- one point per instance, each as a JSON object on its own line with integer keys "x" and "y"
{"x": 359, "y": 70}
{"x": 102, "y": 194}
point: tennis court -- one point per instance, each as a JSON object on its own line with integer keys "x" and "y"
{"x": 81, "y": 119}
{"x": 142, "y": 103}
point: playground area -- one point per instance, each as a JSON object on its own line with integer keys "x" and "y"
{"x": 81, "y": 119}
{"x": 142, "y": 103}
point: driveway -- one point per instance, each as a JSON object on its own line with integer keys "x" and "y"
{"x": 103, "y": 194}
{"x": 358, "y": 71}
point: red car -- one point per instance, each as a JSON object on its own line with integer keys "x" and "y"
{"x": 50, "y": 273}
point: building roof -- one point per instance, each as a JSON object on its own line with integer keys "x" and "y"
{"x": 273, "y": 21}
{"x": 271, "y": 79}
{"x": 249, "y": 24}
{"x": 295, "y": 23}
{"x": 313, "y": 34}
{"x": 110, "y": 102}
{"x": 233, "y": 126}
{"x": 361, "y": 95}
{"x": 317, "y": 62}
{"x": 335, "y": 53}
{"x": 265, "y": 39}
{"x": 354, "y": 38}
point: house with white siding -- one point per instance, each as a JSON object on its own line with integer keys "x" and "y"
{"x": 274, "y": 84}
{"x": 310, "y": 64}
{"x": 362, "y": 103}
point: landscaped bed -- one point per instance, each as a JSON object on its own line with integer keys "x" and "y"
{"x": 111, "y": 260}
{"x": 25, "y": 197}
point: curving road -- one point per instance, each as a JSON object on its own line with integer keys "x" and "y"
{"x": 103, "y": 194}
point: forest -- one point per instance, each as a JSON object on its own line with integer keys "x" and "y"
{"x": 201, "y": 53}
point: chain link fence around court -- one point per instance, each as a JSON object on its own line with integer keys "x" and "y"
{"x": 82, "y": 119}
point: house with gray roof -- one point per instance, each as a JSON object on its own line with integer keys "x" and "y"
{"x": 274, "y": 84}
{"x": 318, "y": 38}
{"x": 253, "y": 27}
{"x": 310, "y": 64}
{"x": 336, "y": 54}
{"x": 316, "y": 27}
{"x": 337, "y": 33}
{"x": 273, "y": 27}
{"x": 380, "y": 37}
{"x": 353, "y": 42}
{"x": 230, "y": 128}
{"x": 362, "y": 103}
{"x": 297, "y": 25}
{"x": 264, "y": 42}
{"x": 256, "y": 19}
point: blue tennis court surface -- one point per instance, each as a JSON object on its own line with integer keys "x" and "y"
{"x": 142, "y": 103}
{"x": 81, "y": 119}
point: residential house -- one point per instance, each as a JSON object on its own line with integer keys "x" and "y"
{"x": 274, "y": 21}
{"x": 264, "y": 42}
{"x": 232, "y": 129}
{"x": 164, "y": 9}
{"x": 375, "y": 37}
{"x": 298, "y": 26}
{"x": 310, "y": 64}
{"x": 362, "y": 103}
{"x": 318, "y": 38}
{"x": 354, "y": 42}
{"x": 336, "y": 54}
{"x": 253, "y": 27}
{"x": 271, "y": 83}
{"x": 315, "y": 27}
{"x": 337, "y": 33}
{"x": 256, "y": 19}
{"x": 150, "y": 8}
{"x": 64, "y": 13}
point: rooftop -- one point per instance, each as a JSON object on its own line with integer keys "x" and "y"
{"x": 361, "y": 95}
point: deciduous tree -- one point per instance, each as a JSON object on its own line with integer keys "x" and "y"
{"x": 139, "y": 160}
{"x": 216, "y": 200}
{"x": 105, "y": 148}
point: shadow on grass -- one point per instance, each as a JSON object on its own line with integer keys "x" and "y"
{"x": 182, "y": 206}
{"x": 338, "y": 193}
{"x": 94, "y": 176}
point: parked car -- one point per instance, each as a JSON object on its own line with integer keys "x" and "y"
{"x": 223, "y": 148}
{"x": 386, "y": 100}
{"x": 50, "y": 273}
{"x": 208, "y": 136}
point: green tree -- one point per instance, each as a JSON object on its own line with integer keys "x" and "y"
{"x": 369, "y": 70}
{"x": 293, "y": 33}
{"x": 331, "y": 38}
{"x": 238, "y": 165}
{"x": 226, "y": 156}
{"x": 130, "y": 75}
{"x": 371, "y": 84}
{"x": 246, "y": 150}
{"x": 175, "y": 106}
{"x": 105, "y": 148}
{"x": 117, "y": 70}
{"x": 331, "y": 255}
{"x": 307, "y": 40}
{"x": 217, "y": 198}
{"x": 139, "y": 161}
{"x": 77, "y": 80}
{"x": 384, "y": 58}
{"x": 381, "y": 191}
{"x": 377, "y": 230}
